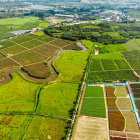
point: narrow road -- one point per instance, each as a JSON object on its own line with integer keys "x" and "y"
{"x": 8, "y": 77}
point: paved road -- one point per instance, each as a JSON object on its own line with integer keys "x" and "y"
{"x": 8, "y": 77}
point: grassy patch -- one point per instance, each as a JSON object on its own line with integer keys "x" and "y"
{"x": 58, "y": 99}
{"x": 138, "y": 42}
{"x": 131, "y": 45}
{"x": 110, "y": 48}
{"x": 15, "y": 97}
{"x": 13, "y": 127}
{"x": 46, "y": 128}
{"x": 18, "y": 23}
{"x": 72, "y": 65}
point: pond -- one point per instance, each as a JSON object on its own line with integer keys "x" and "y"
{"x": 18, "y": 32}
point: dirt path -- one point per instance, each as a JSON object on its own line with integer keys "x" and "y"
{"x": 8, "y": 77}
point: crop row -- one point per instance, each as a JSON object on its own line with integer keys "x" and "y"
{"x": 133, "y": 58}
{"x": 108, "y": 76}
{"x": 108, "y": 62}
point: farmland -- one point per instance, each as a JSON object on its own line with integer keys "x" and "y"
{"x": 56, "y": 107}
{"x": 47, "y": 108}
{"x": 22, "y": 99}
{"x": 109, "y": 67}
{"x": 94, "y": 107}
{"x": 50, "y": 128}
{"x": 116, "y": 119}
{"x": 131, "y": 45}
{"x": 121, "y": 117}
{"x": 111, "y": 48}
{"x": 8, "y": 63}
{"x": 13, "y": 50}
{"x": 133, "y": 58}
{"x": 136, "y": 93}
{"x": 72, "y": 46}
{"x": 72, "y": 65}
{"x": 88, "y": 128}
{"x": 18, "y": 23}
{"x": 39, "y": 70}
{"x": 29, "y": 50}
{"x": 58, "y": 104}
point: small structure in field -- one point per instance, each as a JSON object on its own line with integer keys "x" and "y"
{"x": 96, "y": 52}
{"x": 35, "y": 29}
{"x": 8, "y": 54}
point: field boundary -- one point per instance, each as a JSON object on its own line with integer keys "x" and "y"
{"x": 50, "y": 64}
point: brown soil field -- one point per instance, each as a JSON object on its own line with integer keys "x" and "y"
{"x": 116, "y": 119}
{"x": 136, "y": 85}
{"x": 136, "y": 89}
{"x": 39, "y": 70}
{"x": 110, "y": 91}
{"x": 117, "y": 138}
{"x": 111, "y": 102}
{"x": 7, "y": 63}
{"x": 118, "y": 135}
{"x": 90, "y": 128}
